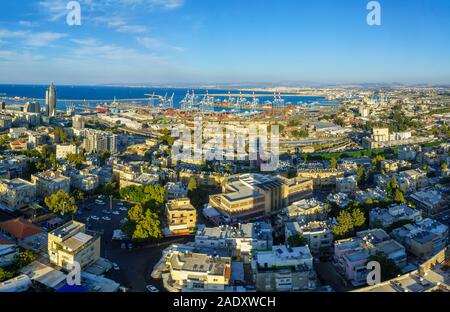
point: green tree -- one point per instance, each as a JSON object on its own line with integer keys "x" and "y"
{"x": 5, "y": 275}
{"x": 333, "y": 163}
{"x": 444, "y": 167}
{"x": 61, "y": 203}
{"x": 399, "y": 198}
{"x": 394, "y": 183}
{"x": 143, "y": 224}
{"x": 344, "y": 225}
{"x": 361, "y": 176}
{"x": 136, "y": 213}
{"x": 297, "y": 241}
{"x": 148, "y": 227}
{"x": 388, "y": 268}
{"x": 76, "y": 159}
{"x": 78, "y": 194}
{"x": 358, "y": 218}
{"x": 166, "y": 138}
{"x": 103, "y": 155}
{"x": 23, "y": 258}
{"x": 348, "y": 222}
{"x": 192, "y": 185}
{"x": 110, "y": 189}
{"x": 376, "y": 163}
{"x": 61, "y": 134}
{"x": 4, "y": 141}
{"x": 389, "y": 189}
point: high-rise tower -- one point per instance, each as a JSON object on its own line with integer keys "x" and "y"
{"x": 50, "y": 100}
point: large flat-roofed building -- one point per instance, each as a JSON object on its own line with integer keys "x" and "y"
{"x": 423, "y": 239}
{"x": 196, "y": 271}
{"x": 430, "y": 202}
{"x": 181, "y": 216}
{"x": 318, "y": 234}
{"x": 49, "y": 182}
{"x": 70, "y": 243}
{"x": 84, "y": 181}
{"x": 346, "y": 185}
{"x": 63, "y": 150}
{"x": 395, "y": 213}
{"x": 252, "y": 195}
{"x": 305, "y": 209}
{"x": 97, "y": 141}
{"x": 17, "y": 193}
{"x": 324, "y": 179}
{"x": 284, "y": 269}
{"x": 239, "y": 240}
{"x": 296, "y": 189}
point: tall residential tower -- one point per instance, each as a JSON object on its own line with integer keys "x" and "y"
{"x": 50, "y": 100}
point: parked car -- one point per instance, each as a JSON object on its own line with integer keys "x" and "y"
{"x": 106, "y": 211}
{"x": 116, "y": 213}
{"x": 152, "y": 289}
{"x": 95, "y": 218}
{"x": 123, "y": 209}
{"x": 106, "y": 218}
{"x": 115, "y": 267}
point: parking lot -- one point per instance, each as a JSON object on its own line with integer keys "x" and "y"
{"x": 135, "y": 264}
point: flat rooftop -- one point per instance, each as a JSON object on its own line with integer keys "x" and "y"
{"x": 200, "y": 263}
{"x": 76, "y": 241}
{"x": 68, "y": 229}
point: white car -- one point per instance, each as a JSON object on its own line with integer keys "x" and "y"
{"x": 106, "y": 211}
{"x": 106, "y": 218}
{"x": 119, "y": 204}
{"x": 123, "y": 209}
{"x": 95, "y": 218}
{"x": 115, "y": 267}
{"x": 152, "y": 289}
{"x": 99, "y": 202}
{"x": 116, "y": 213}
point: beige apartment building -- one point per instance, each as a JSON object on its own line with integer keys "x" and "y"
{"x": 17, "y": 193}
{"x": 181, "y": 216}
{"x": 252, "y": 195}
{"x": 323, "y": 178}
{"x": 70, "y": 243}
{"x": 199, "y": 271}
{"x": 63, "y": 150}
{"x": 49, "y": 182}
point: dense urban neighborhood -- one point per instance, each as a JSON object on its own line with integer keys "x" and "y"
{"x": 365, "y": 180}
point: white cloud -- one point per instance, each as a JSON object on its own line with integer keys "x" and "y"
{"x": 152, "y": 43}
{"x": 120, "y": 24}
{"x": 85, "y": 42}
{"x": 16, "y": 57}
{"x": 155, "y": 4}
{"x": 56, "y": 9}
{"x": 28, "y": 24}
{"x": 4, "y": 33}
{"x": 42, "y": 39}
{"x": 32, "y": 39}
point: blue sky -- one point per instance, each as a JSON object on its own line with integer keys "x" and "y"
{"x": 229, "y": 41}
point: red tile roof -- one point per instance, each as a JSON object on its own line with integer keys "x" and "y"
{"x": 19, "y": 228}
